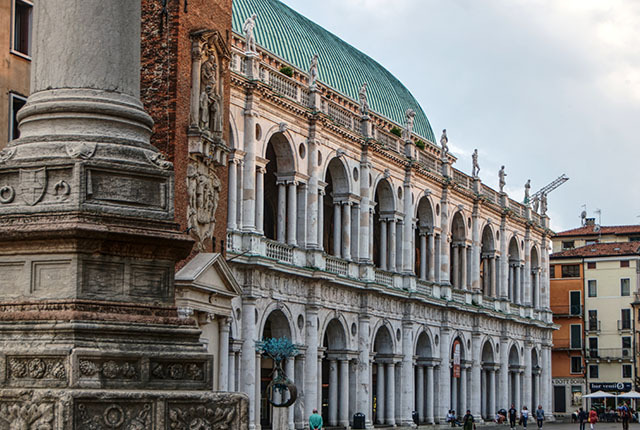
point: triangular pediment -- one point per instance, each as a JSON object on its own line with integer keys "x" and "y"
{"x": 210, "y": 273}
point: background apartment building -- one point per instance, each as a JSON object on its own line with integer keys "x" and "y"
{"x": 15, "y": 43}
{"x": 603, "y": 261}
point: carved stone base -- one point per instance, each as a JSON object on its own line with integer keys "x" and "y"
{"x": 122, "y": 410}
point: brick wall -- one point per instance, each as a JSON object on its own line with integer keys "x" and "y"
{"x": 166, "y": 87}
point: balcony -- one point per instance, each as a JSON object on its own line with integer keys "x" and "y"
{"x": 567, "y": 311}
{"x": 593, "y": 326}
{"x": 565, "y": 344}
{"x": 624, "y": 325}
{"x": 608, "y": 354}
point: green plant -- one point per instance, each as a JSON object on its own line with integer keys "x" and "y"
{"x": 286, "y": 70}
{"x": 420, "y": 144}
{"x": 396, "y": 131}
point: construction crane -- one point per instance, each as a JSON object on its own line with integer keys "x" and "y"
{"x": 550, "y": 187}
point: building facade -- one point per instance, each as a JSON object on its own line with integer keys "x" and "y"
{"x": 604, "y": 260}
{"x": 15, "y": 38}
{"x": 408, "y": 284}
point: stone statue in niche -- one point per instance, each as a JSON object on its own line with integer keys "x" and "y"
{"x": 204, "y": 192}
{"x": 210, "y": 101}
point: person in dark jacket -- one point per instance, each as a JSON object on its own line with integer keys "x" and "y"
{"x": 539, "y": 416}
{"x": 582, "y": 418}
{"x": 513, "y": 415}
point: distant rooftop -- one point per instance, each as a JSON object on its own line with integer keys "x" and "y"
{"x": 600, "y": 250}
{"x": 592, "y": 230}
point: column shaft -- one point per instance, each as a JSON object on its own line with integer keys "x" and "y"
{"x": 282, "y": 213}
{"x": 233, "y": 190}
{"x": 391, "y": 394}
{"x": 380, "y": 394}
{"x": 223, "y": 369}
{"x": 355, "y": 232}
{"x": 248, "y": 376}
{"x": 430, "y": 394}
{"x": 463, "y": 391}
{"x": 290, "y": 367}
{"x": 463, "y": 266}
{"x": 321, "y": 219}
{"x": 337, "y": 226}
{"x": 364, "y": 375}
{"x": 492, "y": 393}
{"x": 423, "y": 256}
{"x": 344, "y": 393}
{"x": 333, "y": 393}
{"x": 392, "y": 245}
{"x": 432, "y": 257}
{"x": 493, "y": 276}
{"x": 420, "y": 391}
{"x": 383, "y": 244}
{"x": 311, "y": 361}
{"x": 231, "y": 377}
{"x": 260, "y": 200}
{"x": 346, "y": 231}
{"x": 455, "y": 280}
{"x": 292, "y": 216}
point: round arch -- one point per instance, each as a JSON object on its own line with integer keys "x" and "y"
{"x": 282, "y": 314}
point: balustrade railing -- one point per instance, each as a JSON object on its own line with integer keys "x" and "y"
{"x": 336, "y": 265}
{"x": 490, "y": 194}
{"x": 428, "y": 161}
{"x": 340, "y": 116}
{"x": 424, "y": 287}
{"x": 279, "y": 251}
{"x": 283, "y": 85}
{"x": 387, "y": 140}
{"x": 457, "y": 296}
{"x": 460, "y": 178}
{"x": 384, "y": 278}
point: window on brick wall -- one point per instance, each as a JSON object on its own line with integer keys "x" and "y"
{"x": 570, "y": 270}
{"x": 22, "y": 21}
{"x": 15, "y": 104}
{"x": 576, "y": 364}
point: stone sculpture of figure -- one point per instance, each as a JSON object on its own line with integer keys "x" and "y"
{"x": 208, "y": 72}
{"x": 204, "y": 109}
{"x": 543, "y": 204}
{"x": 203, "y": 190}
{"x": 444, "y": 140}
{"x": 215, "y": 113}
{"x": 313, "y": 73}
{"x": 527, "y": 188}
{"x": 501, "y": 177}
{"x": 362, "y": 98}
{"x": 247, "y": 29}
{"x": 408, "y": 123}
{"x": 476, "y": 167}
{"x": 209, "y": 97}
{"x": 535, "y": 202}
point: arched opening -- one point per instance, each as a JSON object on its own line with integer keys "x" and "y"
{"x": 515, "y": 272}
{"x": 535, "y": 379}
{"x": 488, "y": 263}
{"x": 459, "y": 377}
{"x": 488, "y": 381}
{"x": 424, "y": 241}
{"x": 337, "y": 214}
{"x": 338, "y": 376}
{"x": 424, "y": 374}
{"x": 384, "y": 231}
{"x": 276, "y": 326}
{"x": 459, "y": 253}
{"x": 535, "y": 278}
{"x": 280, "y": 192}
{"x": 515, "y": 378}
{"x": 384, "y": 377}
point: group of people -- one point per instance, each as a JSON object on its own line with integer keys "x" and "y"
{"x": 624, "y": 414}
{"x": 468, "y": 423}
{"x": 512, "y": 416}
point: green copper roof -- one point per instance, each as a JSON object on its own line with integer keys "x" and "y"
{"x": 294, "y": 38}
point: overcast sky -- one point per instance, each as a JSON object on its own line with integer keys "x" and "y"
{"x": 544, "y": 87}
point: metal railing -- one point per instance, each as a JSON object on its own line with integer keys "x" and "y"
{"x": 336, "y": 265}
{"x": 610, "y": 353}
{"x": 279, "y": 251}
{"x": 593, "y": 325}
{"x": 567, "y": 310}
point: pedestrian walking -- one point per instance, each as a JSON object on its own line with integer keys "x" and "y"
{"x": 315, "y": 420}
{"x": 540, "y": 416}
{"x": 468, "y": 422}
{"x": 513, "y": 414}
{"x": 625, "y": 415}
{"x": 524, "y": 416}
{"x": 583, "y": 417}
{"x": 593, "y": 418}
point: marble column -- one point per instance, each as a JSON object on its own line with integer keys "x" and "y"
{"x": 223, "y": 354}
{"x": 430, "y": 395}
{"x": 355, "y": 233}
{"x": 484, "y": 394}
{"x": 248, "y": 376}
{"x": 249, "y": 171}
{"x": 463, "y": 265}
{"x": 390, "y": 395}
{"x": 311, "y": 394}
{"x": 371, "y": 227}
{"x": 456, "y": 269}
{"x": 517, "y": 286}
{"x": 454, "y": 394}
{"x": 337, "y": 225}
{"x": 463, "y": 391}
{"x": 503, "y": 388}
{"x": 257, "y": 400}
{"x": 420, "y": 391}
{"x": 344, "y": 393}
{"x": 383, "y": 244}
{"x": 392, "y": 245}
{"x": 290, "y": 367}
{"x": 491, "y": 385}
{"x": 443, "y": 395}
{"x": 282, "y": 212}
{"x": 432, "y": 257}
{"x": 346, "y": 230}
{"x": 494, "y": 292}
{"x": 302, "y": 215}
{"x": 476, "y": 373}
{"x": 320, "y": 219}
{"x": 364, "y": 369}
{"x": 503, "y": 279}
{"x": 240, "y": 188}
{"x": 527, "y": 385}
{"x": 406, "y": 376}
{"x": 444, "y": 250}
{"x": 408, "y": 235}
{"x": 231, "y": 377}
{"x": 516, "y": 389}
{"x": 399, "y": 245}
{"x": 365, "y": 221}
{"x": 260, "y": 199}
{"x": 292, "y": 215}
{"x": 314, "y": 199}
{"x": 233, "y": 191}
{"x": 476, "y": 247}
{"x": 423, "y": 255}
{"x": 319, "y": 383}
{"x": 380, "y": 394}
{"x": 333, "y": 392}
{"x": 545, "y": 381}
